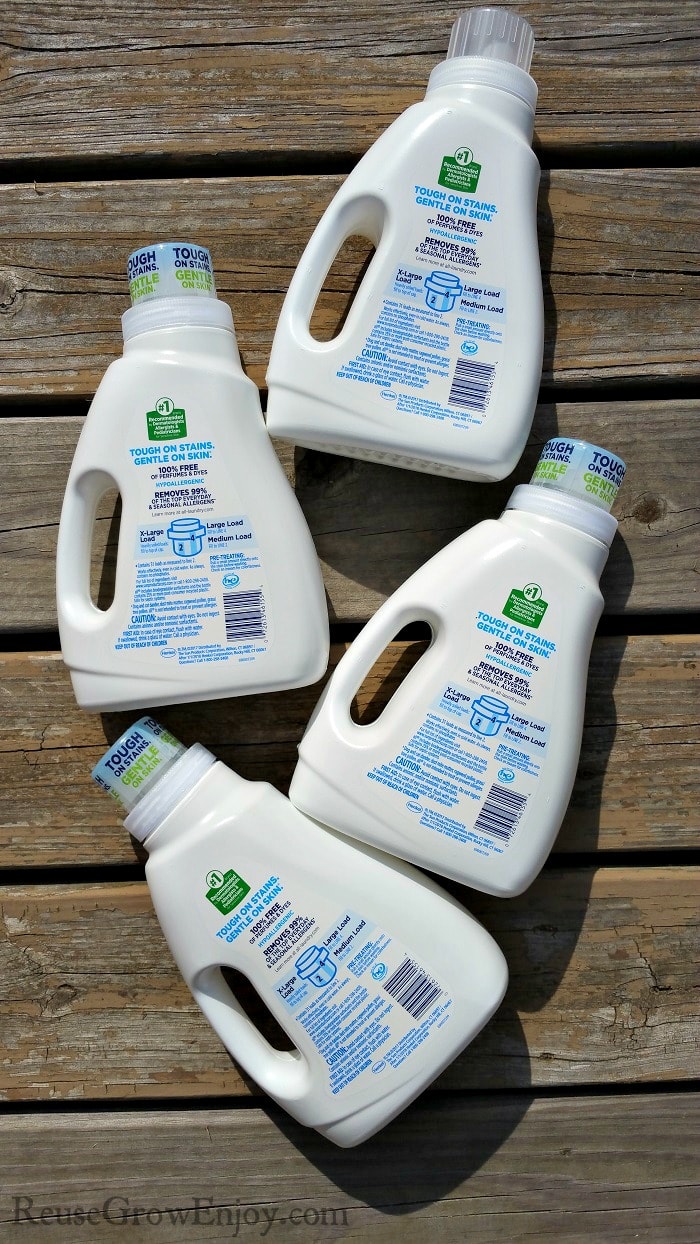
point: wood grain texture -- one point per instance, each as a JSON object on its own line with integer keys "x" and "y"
{"x": 487, "y": 1169}
{"x": 270, "y": 79}
{"x": 618, "y": 252}
{"x": 636, "y": 787}
{"x": 602, "y": 969}
{"x": 603, "y": 983}
{"x": 373, "y": 526}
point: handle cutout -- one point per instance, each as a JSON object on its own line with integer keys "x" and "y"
{"x": 390, "y": 670}
{"x": 256, "y": 1010}
{"x": 340, "y": 287}
{"x": 104, "y": 546}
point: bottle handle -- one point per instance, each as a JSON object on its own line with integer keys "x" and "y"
{"x": 74, "y": 548}
{"x": 365, "y": 215}
{"x": 283, "y": 1074}
{"x": 364, "y": 651}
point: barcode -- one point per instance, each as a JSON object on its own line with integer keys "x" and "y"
{"x": 501, "y": 812}
{"x": 471, "y": 384}
{"x": 244, "y": 615}
{"x": 412, "y": 989}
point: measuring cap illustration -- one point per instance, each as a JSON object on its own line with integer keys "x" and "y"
{"x": 186, "y": 535}
{"x": 442, "y": 290}
{"x": 488, "y": 714}
{"x": 316, "y": 966}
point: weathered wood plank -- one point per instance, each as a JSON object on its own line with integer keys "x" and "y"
{"x": 484, "y": 1168}
{"x": 374, "y": 525}
{"x": 618, "y": 248}
{"x": 636, "y": 787}
{"x": 264, "y": 80}
{"x": 602, "y": 969}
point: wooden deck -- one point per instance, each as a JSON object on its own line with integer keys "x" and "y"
{"x": 573, "y": 1115}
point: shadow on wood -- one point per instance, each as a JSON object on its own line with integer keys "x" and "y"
{"x": 409, "y": 1164}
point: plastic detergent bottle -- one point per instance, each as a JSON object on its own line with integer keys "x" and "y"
{"x": 469, "y": 768}
{"x": 378, "y": 977}
{"x": 438, "y": 364}
{"x": 218, "y": 588}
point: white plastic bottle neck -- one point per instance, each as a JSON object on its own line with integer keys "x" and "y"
{"x": 196, "y": 791}
{"x": 165, "y": 788}
{"x": 177, "y": 782}
{"x": 584, "y": 530}
{"x": 173, "y": 312}
{"x": 470, "y": 71}
{"x": 216, "y": 342}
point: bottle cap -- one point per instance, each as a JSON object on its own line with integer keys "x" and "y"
{"x": 137, "y": 760}
{"x": 580, "y": 469}
{"x": 170, "y": 270}
{"x": 133, "y": 768}
{"x": 489, "y": 47}
{"x": 492, "y": 34}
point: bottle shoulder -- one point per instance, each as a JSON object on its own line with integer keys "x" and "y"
{"x": 446, "y": 111}
{"x": 471, "y": 556}
{"x": 212, "y": 390}
{"x": 482, "y": 567}
{"x": 224, "y": 808}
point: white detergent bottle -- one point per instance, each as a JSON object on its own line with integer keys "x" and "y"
{"x": 378, "y": 977}
{"x": 469, "y": 768}
{"x": 438, "y": 364}
{"x": 218, "y": 589}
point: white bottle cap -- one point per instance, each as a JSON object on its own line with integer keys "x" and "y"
{"x": 494, "y": 34}
{"x": 170, "y": 270}
{"x": 581, "y": 470}
{"x": 489, "y": 47}
{"x": 133, "y": 769}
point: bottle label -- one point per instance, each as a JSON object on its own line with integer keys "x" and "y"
{"x": 137, "y": 760}
{"x": 366, "y": 1002}
{"x": 436, "y": 346}
{"x": 580, "y": 469}
{"x": 170, "y": 269}
{"x": 470, "y": 769}
{"x": 199, "y": 584}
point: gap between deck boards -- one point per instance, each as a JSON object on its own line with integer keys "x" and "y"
{"x": 651, "y": 155}
{"x": 610, "y": 625}
{"x": 429, "y": 1098}
{"x": 100, "y": 874}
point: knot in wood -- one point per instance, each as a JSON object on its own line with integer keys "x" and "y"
{"x": 9, "y": 293}
{"x": 649, "y": 508}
